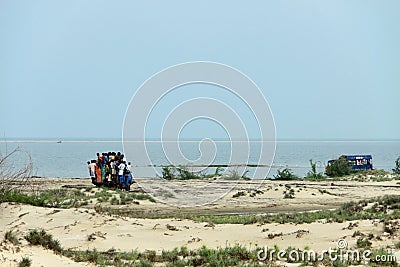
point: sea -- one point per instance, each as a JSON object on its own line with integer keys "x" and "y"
{"x": 68, "y": 159}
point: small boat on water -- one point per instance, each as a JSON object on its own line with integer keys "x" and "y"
{"x": 59, "y": 142}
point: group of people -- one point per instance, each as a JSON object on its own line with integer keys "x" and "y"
{"x": 110, "y": 169}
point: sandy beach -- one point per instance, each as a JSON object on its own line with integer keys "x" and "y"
{"x": 156, "y": 226}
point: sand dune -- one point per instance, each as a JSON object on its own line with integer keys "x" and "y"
{"x": 84, "y": 228}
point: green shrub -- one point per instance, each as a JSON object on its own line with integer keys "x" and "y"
{"x": 339, "y": 168}
{"x": 396, "y": 169}
{"x": 51, "y": 198}
{"x": 43, "y": 239}
{"x": 239, "y": 194}
{"x": 236, "y": 255}
{"x": 289, "y": 194}
{"x": 141, "y": 196}
{"x": 382, "y": 257}
{"x": 17, "y": 196}
{"x": 347, "y": 212}
{"x": 9, "y": 235}
{"x": 180, "y": 173}
{"x": 131, "y": 256}
{"x": 313, "y": 174}
{"x": 170, "y": 256}
{"x": 25, "y": 262}
{"x": 218, "y": 171}
{"x": 363, "y": 243}
{"x": 285, "y": 174}
{"x": 143, "y": 263}
{"x": 185, "y": 174}
{"x": 234, "y": 175}
{"x": 114, "y": 201}
{"x": 93, "y": 256}
{"x": 168, "y": 173}
{"x": 149, "y": 255}
{"x": 377, "y": 172}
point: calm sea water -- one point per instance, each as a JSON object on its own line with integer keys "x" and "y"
{"x": 69, "y": 158}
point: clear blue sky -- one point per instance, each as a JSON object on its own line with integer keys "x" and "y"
{"x": 329, "y": 69}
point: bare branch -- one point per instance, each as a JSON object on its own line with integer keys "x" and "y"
{"x": 16, "y": 167}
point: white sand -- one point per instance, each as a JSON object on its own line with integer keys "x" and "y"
{"x": 73, "y": 226}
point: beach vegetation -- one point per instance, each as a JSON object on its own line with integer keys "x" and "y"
{"x": 114, "y": 201}
{"x": 218, "y": 173}
{"x": 313, "y": 173}
{"x": 11, "y": 237}
{"x": 285, "y": 175}
{"x": 40, "y": 237}
{"x": 235, "y": 174}
{"x": 396, "y": 169}
{"x": 244, "y": 175}
{"x": 380, "y": 179}
{"x": 377, "y": 172}
{"x": 339, "y": 167}
{"x": 363, "y": 243}
{"x": 230, "y": 255}
{"x": 288, "y": 194}
{"x": 19, "y": 197}
{"x": 92, "y": 256}
{"x": 179, "y": 173}
{"x": 239, "y": 194}
{"x": 183, "y": 173}
{"x": 25, "y": 262}
{"x": 387, "y": 209}
{"x": 137, "y": 196}
{"x": 167, "y": 194}
{"x": 382, "y": 257}
{"x": 324, "y": 191}
{"x": 143, "y": 263}
{"x": 56, "y": 198}
{"x": 170, "y": 255}
{"x": 375, "y": 175}
{"x": 16, "y": 169}
{"x": 148, "y": 255}
{"x": 128, "y": 256}
{"x": 255, "y": 192}
{"x": 390, "y": 227}
{"x": 168, "y": 173}
{"x": 68, "y": 198}
{"x": 382, "y": 208}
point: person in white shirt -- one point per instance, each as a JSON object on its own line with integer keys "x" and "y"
{"x": 92, "y": 169}
{"x": 128, "y": 177}
{"x": 121, "y": 169}
{"x": 113, "y": 171}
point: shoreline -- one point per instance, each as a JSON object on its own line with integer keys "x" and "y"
{"x": 189, "y": 141}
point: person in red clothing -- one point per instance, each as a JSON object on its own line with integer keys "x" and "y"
{"x": 98, "y": 173}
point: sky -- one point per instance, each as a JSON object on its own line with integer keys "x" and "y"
{"x": 328, "y": 69}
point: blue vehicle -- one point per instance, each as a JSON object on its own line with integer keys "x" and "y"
{"x": 357, "y": 162}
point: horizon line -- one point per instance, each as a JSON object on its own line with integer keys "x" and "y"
{"x": 71, "y": 140}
